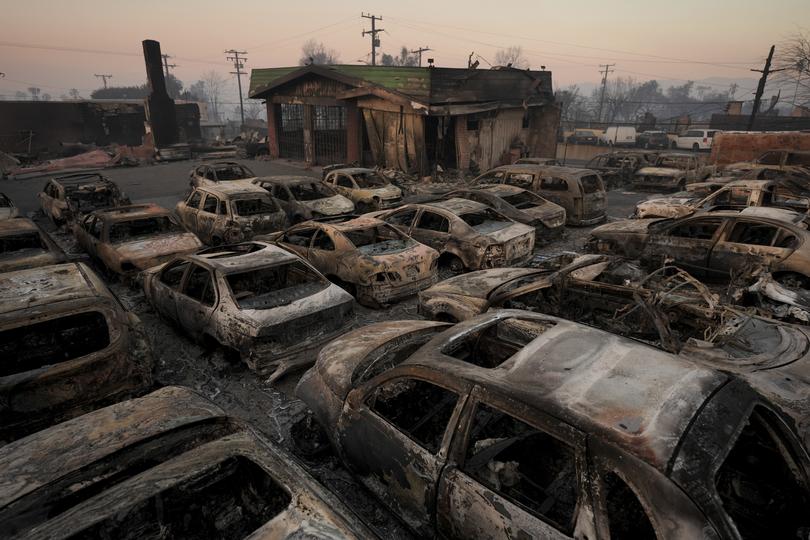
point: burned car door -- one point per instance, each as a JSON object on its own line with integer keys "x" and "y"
{"x": 517, "y": 477}
{"x": 197, "y": 300}
{"x": 432, "y": 229}
{"x": 395, "y": 432}
{"x": 401, "y": 219}
{"x": 747, "y": 243}
{"x": 322, "y": 253}
{"x": 211, "y": 211}
{"x": 167, "y": 288}
{"x": 556, "y": 190}
{"x": 688, "y": 243}
{"x": 188, "y": 210}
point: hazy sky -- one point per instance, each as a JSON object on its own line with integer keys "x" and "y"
{"x": 682, "y": 39}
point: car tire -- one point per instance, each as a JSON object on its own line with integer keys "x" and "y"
{"x": 449, "y": 266}
{"x": 674, "y": 145}
{"x": 216, "y": 241}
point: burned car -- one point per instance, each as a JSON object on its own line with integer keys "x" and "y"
{"x": 516, "y": 424}
{"x": 66, "y": 198}
{"x": 468, "y": 235}
{"x": 7, "y": 208}
{"x": 68, "y": 346}
{"x": 304, "y": 198}
{"x": 210, "y": 174}
{"x": 366, "y": 188}
{"x": 716, "y": 244}
{"x": 618, "y": 168}
{"x": 375, "y": 262}
{"x": 672, "y": 170}
{"x": 735, "y": 195}
{"x": 580, "y": 191}
{"x": 128, "y": 239}
{"x": 523, "y": 206}
{"x": 230, "y": 212}
{"x": 23, "y": 244}
{"x": 170, "y": 464}
{"x": 267, "y": 305}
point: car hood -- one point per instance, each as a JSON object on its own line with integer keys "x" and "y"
{"x": 147, "y": 252}
{"x": 659, "y": 171}
{"x": 508, "y": 233}
{"x": 550, "y": 214}
{"x": 330, "y": 206}
{"x": 481, "y": 283}
{"x": 669, "y": 207}
{"x": 626, "y": 226}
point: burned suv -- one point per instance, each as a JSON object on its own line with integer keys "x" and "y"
{"x": 67, "y": 347}
{"x": 66, "y": 198}
{"x": 516, "y": 424}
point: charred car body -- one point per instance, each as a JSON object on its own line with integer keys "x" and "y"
{"x": 230, "y": 212}
{"x": 23, "y": 244}
{"x": 254, "y": 298}
{"x": 66, "y": 198}
{"x": 211, "y": 174}
{"x": 580, "y": 191}
{"x": 168, "y": 465}
{"x": 372, "y": 260}
{"x": 128, "y": 239}
{"x": 468, "y": 235}
{"x": 304, "y": 198}
{"x": 672, "y": 170}
{"x": 619, "y": 168}
{"x": 735, "y": 195}
{"x": 7, "y": 208}
{"x": 367, "y": 189}
{"x": 716, "y": 244}
{"x": 68, "y": 346}
{"x": 524, "y": 425}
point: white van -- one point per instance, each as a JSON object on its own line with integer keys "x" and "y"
{"x": 696, "y": 139}
{"x": 618, "y": 136}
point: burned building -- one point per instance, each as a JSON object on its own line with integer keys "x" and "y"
{"x": 410, "y": 118}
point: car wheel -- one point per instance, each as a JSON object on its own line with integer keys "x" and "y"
{"x": 450, "y": 266}
{"x": 674, "y": 145}
{"x": 362, "y": 208}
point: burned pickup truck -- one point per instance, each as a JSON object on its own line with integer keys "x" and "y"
{"x": 168, "y": 465}
{"x": 516, "y": 424}
{"x": 672, "y": 170}
{"x": 265, "y": 304}
{"x": 67, "y": 346}
{"x": 66, "y": 198}
{"x": 23, "y": 244}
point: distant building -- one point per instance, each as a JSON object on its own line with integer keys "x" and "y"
{"x": 411, "y": 118}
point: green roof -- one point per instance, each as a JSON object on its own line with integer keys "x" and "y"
{"x": 411, "y": 81}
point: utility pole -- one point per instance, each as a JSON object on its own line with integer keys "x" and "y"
{"x": 103, "y": 78}
{"x": 419, "y": 51}
{"x": 604, "y": 85}
{"x": 238, "y": 64}
{"x": 166, "y": 64}
{"x": 761, "y": 87}
{"x": 375, "y": 41}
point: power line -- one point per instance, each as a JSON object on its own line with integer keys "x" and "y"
{"x": 238, "y": 64}
{"x": 103, "y": 78}
{"x": 375, "y": 41}
{"x": 604, "y": 85}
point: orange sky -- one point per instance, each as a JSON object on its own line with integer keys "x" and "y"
{"x": 646, "y": 39}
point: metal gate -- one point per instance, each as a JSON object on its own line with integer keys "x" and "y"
{"x": 291, "y": 132}
{"x": 329, "y": 134}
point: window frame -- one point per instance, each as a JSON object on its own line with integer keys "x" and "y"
{"x": 204, "y": 201}
{"x": 213, "y": 282}
{"x": 169, "y": 266}
{"x": 415, "y": 224}
{"x": 191, "y": 196}
{"x": 721, "y": 227}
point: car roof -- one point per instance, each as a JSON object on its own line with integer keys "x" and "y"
{"x": 361, "y": 222}
{"x": 777, "y": 214}
{"x": 353, "y": 170}
{"x": 559, "y": 170}
{"x": 17, "y": 225}
{"x": 749, "y": 183}
{"x": 46, "y": 285}
{"x": 288, "y": 180}
{"x": 458, "y": 206}
{"x": 631, "y": 394}
{"x": 81, "y": 178}
{"x": 233, "y": 188}
{"x": 229, "y": 259}
{"x": 132, "y": 211}
{"x": 223, "y": 164}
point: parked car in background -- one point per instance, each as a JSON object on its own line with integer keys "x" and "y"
{"x": 468, "y": 235}
{"x": 128, "y": 239}
{"x": 263, "y": 302}
{"x": 366, "y": 188}
{"x": 716, "y": 244}
{"x": 618, "y": 136}
{"x": 735, "y": 195}
{"x": 66, "y": 198}
{"x": 672, "y": 170}
{"x": 695, "y": 139}
{"x": 582, "y": 136}
{"x": 68, "y": 347}
{"x": 230, "y": 212}
{"x": 375, "y": 262}
{"x": 536, "y": 161}
{"x": 23, "y": 244}
{"x": 653, "y": 139}
{"x": 514, "y": 417}
{"x": 304, "y": 198}
{"x": 219, "y": 171}
{"x": 7, "y": 208}
{"x": 580, "y": 191}
{"x": 170, "y": 464}
{"x": 617, "y": 168}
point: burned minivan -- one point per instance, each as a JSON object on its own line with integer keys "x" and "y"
{"x": 168, "y": 465}
{"x": 266, "y": 304}
{"x": 522, "y": 425}
{"x": 67, "y": 346}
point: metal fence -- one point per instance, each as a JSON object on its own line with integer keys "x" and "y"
{"x": 291, "y": 132}
{"x": 330, "y": 134}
